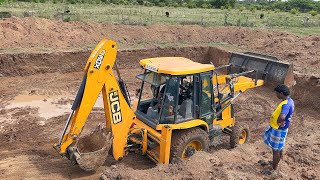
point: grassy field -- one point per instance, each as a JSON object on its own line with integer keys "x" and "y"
{"x": 303, "y": 23}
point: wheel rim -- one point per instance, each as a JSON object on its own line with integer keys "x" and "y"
{"x": 190, "y": 149}
{"x": 243, "y": 137}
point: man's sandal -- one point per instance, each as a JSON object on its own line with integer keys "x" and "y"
{"x": 264, "y": 163}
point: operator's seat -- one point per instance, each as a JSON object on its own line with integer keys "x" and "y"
{"x": 186, "y": 109}
{"x": 185, "y": 112}
{"x": 152, "y": 113}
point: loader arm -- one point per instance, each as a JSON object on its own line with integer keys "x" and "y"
{"x": 241, "y": 83}
{"x": 99, "y": 77}
{"x": 235, "y": 84}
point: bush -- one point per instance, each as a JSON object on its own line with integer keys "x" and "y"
{"x": 72, "y": 1}
{"x": 241, "y": 8}
{"x": 134, "y": 2}
{"x": 206, "y": 6}
{"x": 124, "y": 2}
{"x": 294, "y": 11}
{"x": 277, "y": 10}
{"x": 253, "y": 9}
{"x": 184, "y": 4}
{"x": 222, "y": 7}
{"x": 175, "y": 5}
{"x": 192, "y": 5}
{"x": 302, "y": 5}
{"x": 162, "y": 4}
{"x": 67, "y": 19}
{"x": 147, "y": 3}
{"x": 313, "y": 13}
{"x": 113, "y": 1}
{"x": 5, "y": 14}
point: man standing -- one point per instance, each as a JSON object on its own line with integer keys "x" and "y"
{"x": 276, "y": 133}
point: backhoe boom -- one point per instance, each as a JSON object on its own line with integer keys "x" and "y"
{"x": 98, "y": 78}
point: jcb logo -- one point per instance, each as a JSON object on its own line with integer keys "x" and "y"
{"x": 115, "y": 107}
{"x": 99, "y": 59}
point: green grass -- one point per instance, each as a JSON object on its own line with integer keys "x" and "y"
{"x": 163, "y": 44}
{"x": 141, "y": 15}
{"x": 301, "y": 31}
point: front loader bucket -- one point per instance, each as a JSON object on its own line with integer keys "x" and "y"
{"x": 267, "y": 68}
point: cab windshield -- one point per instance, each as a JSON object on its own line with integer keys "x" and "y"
{"x": 151, "y": 94}
{"x": 165, "y": 98}
{"x": 153, "y": 78}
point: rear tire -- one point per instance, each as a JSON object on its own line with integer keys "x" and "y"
{"x": 184, "y": 143}
{"x": 239, "y": 134}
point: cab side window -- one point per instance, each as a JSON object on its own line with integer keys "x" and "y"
{"x": 170, "y": 98}
{"x": 205, "y": 98}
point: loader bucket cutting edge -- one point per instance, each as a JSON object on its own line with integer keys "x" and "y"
{"x": 268, "y": 68}
{"x": 91, "y": 151}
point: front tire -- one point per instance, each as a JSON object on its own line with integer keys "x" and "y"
{"x": 185, "y": 143}
{"x": 239, "y": 135}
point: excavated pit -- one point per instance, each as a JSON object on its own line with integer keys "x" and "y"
{"x": 24, "y": 64}
{"x": 55, "y": 78}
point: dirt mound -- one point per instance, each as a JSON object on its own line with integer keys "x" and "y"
{"x": 186, "y": 170}
{"x": 36, "y": 34}
{"x": 307, "y": 87}
{"x": 239, "y": 163}
{"x": 19, "y": 64}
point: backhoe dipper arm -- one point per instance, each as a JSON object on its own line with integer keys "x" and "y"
{"x": 99, "y": 77}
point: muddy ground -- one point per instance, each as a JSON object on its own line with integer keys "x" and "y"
{"x": 37, "y": 89}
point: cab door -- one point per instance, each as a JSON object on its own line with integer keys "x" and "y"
{"x": 205, "y": 97}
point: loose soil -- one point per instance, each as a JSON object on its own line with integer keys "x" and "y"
{"x": 28, "y": 90}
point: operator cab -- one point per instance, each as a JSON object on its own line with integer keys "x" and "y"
{"x": 174, "y": 90}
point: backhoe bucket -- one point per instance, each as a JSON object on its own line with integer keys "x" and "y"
{"x": 91, "y": 151}
{"x": 267, "y": 68}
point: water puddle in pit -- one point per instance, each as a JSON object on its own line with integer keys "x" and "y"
{"x": 48, "y": 107}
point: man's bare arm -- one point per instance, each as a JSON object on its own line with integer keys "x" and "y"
{"x": 281, "y": 119}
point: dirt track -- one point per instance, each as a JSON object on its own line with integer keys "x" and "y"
{"x": 34, "y": 100}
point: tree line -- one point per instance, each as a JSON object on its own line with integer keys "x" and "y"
{"x": 287, "y": 6}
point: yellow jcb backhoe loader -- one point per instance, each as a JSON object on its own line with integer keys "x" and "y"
{"x": 183, "y": 106}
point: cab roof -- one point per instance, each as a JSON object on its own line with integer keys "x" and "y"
{"x": 174, "y": 65}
